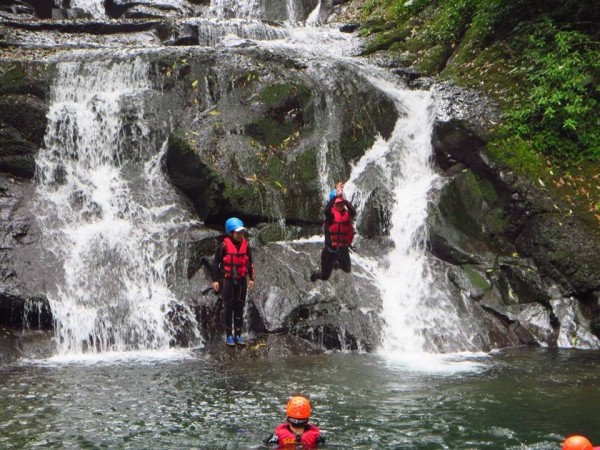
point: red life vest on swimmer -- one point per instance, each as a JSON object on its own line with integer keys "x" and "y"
{"x": 341, "y": 230}
{"x": 235, "y": 257}
{"x": 309, "y": 439}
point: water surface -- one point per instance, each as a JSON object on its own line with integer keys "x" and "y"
{"x": 518, "y": 399}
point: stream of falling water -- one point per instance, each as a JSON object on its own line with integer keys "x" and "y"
{"x": 106, "y": 212}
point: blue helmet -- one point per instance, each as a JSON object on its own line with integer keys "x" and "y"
{"x": 332, "y": 194}
{"x": 233, "y": 224}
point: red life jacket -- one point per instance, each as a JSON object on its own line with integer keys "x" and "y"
{"x": 309, "y": 439}
{"x": 235, "y": 260}
{"x": 341, "y": 230}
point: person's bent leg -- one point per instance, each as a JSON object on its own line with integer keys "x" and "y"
{"x": 328, "y": 257}
{"x": 343, "y": 257}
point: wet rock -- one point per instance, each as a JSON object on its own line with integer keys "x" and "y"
{"x": 461, "y": 229}
{"x": 256, "y": 133}
{"x": 349, "y": 27}
{"x": 266, "y": 346}
{"x": 375, "y": 220}
{"x": 17, "y": 155}
{"x": 342, "y": 313}
{"x": 41, "y": 9}
{"x": 511, "y": 216}
{"x": 24, "y": 345}
{"x": 188, "y": 171}
{"x": 539, "y": 322}
{"x": 563, "y": 250}
{"x": 14, "y": 9}
{"x": 574, "y": 325}
{"x": 23, "y": 107}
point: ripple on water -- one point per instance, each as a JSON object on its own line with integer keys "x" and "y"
{"x": 360, "y": 401}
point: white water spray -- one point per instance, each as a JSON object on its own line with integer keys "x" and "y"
{"x": 248, "y": 9}
{"x": 313, "y": 17}
{"x": 419, "y": 315}
{"x": 107, "y": 213}
{"x": 405, "y": 280}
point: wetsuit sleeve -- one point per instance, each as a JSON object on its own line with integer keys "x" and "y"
{"x": 327, "y": 210}
{"x": 351, "y": 208}
{"x": 250, "y": 264}
{"x": 216, "y": 264}
{"x": 273, "y": 439}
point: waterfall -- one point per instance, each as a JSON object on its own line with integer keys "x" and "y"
{"x": 292, "y": 11}
{"x": 107, "y": 213}
{"x": 248, "y": 9}
{"x": 418, "y": 313}
{"x": 404, "y": 278}
{"x": 313, "y": 17}
{"x": 213, "y": 31}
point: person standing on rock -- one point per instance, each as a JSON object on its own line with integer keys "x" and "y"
{"x": 232, "y": 276}
{"x": 339, "y": 233}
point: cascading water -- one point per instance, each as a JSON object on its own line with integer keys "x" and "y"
{"x": 418, "y": 313}
{"x": 106, "y": 211}
{"x": 413, "y": 301}
{"x": 250, "y": 9}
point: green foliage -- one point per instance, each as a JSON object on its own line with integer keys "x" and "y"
{"x": 538, "y": 59}
{"x": 558, "y": 112}
{"x": 451, "y": 22}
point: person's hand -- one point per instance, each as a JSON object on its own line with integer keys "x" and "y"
{"x": 215, "y": 286}
{"x": 339, "y": 189}
{"x": 250, "y": 284}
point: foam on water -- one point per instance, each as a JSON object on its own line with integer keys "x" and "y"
{"x": 437, "y": 363}
{"x": 142, "y": 357}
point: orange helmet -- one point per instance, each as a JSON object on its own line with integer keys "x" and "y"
{"x": 298, "y": 408}
{"x": 577, "y": 443}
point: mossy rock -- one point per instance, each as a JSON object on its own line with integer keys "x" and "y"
{"x": 286, "y": 114}
{"x": 285, "y": 96}
{"x": 476, "y": 279}
{"x": 269, "y": 131}
{"x": 26, "y": 114}
{"x": 434, "y": 59}
{"x": 563, "y": 251}
{"x": 366, "y": 116}
{"x": 22, "y": 78}
{"x": 385, "y": 40}
{"x": 462, "y": 203}
{"x": 17, "y": 155}
{"x": 201, "y": 183}
{"x": 304, "y": 167}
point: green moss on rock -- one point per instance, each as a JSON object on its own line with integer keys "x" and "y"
{"x": 269, "y": 131}
{"x": 304, "y": 167}
{"x": 476, "y": 279}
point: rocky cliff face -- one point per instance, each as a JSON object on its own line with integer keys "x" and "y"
{"x": 247, "y": 129}
{"x": 526, "y": 257}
